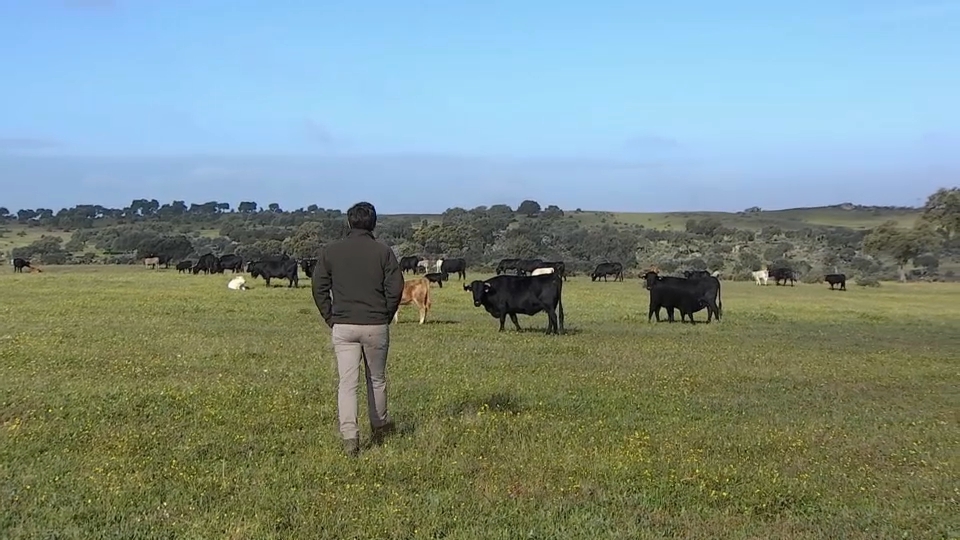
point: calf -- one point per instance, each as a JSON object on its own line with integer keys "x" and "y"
{"x": 511, "y": 295}
{"x": 603, "y": 270}
{"x": 836, "y": 279}
{"x": 435, "y": 277}
{"x": 542, "y": 271}
{"x": 237, "y": 284}
{"x": 760, "y": 275}
{"x": 417, "y": 292}
{"x": 458, "y": 266}
{"x": 687, "y": 295}
{"x": 184, "y": 266}
{"x": 275, "y": 269}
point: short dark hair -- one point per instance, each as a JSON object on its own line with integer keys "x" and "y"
{"x": 362, "y": 216}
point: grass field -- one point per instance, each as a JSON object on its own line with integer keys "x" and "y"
{"x": 785, "y": 219}
{"x": 141, "y": 404}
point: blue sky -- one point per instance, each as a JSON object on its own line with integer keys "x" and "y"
{"x": 419, "y": 106}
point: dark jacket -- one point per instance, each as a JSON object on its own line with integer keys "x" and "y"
{"x": 364, "y": 277}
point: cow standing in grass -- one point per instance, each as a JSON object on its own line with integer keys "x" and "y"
{"x": 416, "y": 292}
{"x": 507, "y": 295}
{"x": 836, "y": 279}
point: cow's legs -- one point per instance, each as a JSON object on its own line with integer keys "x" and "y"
{"x": 551, "y": 322}
{"x": 670, "y": 315}
{"x": 503, "y": 319}
{"x": 513, "y": 318}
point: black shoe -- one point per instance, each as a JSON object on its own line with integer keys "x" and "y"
{"x": 351, "y": 447}
{"x": 379, "y": 433}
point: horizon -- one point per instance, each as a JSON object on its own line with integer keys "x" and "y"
{"x": 624, "y": 107}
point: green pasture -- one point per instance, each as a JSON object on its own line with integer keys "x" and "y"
{"x": 146, "y": 404}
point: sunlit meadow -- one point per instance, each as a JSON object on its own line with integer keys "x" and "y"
{"x": 147, "y": 404}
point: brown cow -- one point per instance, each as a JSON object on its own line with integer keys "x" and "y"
{"x": 416, "y": 291}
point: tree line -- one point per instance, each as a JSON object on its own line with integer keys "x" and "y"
{"x": 484, "y": 235}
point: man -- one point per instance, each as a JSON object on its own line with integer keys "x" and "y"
{"x": 365, "y": 279}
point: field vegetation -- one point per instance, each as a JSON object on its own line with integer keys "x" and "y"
{"x": 878, "y": 243}
{"x": 146, "y": 404}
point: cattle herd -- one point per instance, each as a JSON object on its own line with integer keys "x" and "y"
{"x": 521, "y": 286}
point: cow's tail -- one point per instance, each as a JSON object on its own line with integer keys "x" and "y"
{"x": 719, "y": 302}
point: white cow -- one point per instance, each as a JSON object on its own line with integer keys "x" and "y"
{"x": 439, "y": 264}
{"x": 716, "y": 274}
{"x": 237, "y": 284}
{"x": 542, "y": 271}
{"x": 760, "y": 275}
{"x": 423, "y": 266}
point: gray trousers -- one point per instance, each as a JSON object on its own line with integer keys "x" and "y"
{"x": 353, "y": 344}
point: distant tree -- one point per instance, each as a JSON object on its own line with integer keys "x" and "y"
{"x": 942, "y": 211}
{"x": 901, "y": 245}
{"x": 312, "y": 208}
{"x": 928, "y": 261}
{"x": 274, "y": 207}
{"x": 4, "y": 213}
{"x": 247, "y": 207}
{"x": 306, "y": 241}
{"x": 553, "y": 211}
{"x": 529, "y": 208}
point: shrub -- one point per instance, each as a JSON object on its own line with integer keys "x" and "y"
{"x": 868, "y": 281}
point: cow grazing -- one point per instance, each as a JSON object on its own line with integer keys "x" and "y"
{"x": 184, "y": 266}
{"x": 603, "y": 270}
{"x": 275, "y": 269}
{"x": 782, "y": 274}
{"x": 695, "y": 273}
{"x": 760, "y": 275}
{"x": 507, "y": 295}
{"x": 836, "y": 279}
{"x": 435, "y": 277}
{"x": 409, "y": 264}
{"x": 417, "y": 292}
{"x": 687, "y": 295}
{"x": 234, "y": 263}
{"x": 19, "y": 264}
{"x": 152, "y": 262}
{"x": 542, "y": 271}
{"x": 208, "y": 263}
{"x": 506, "y": 264}
{"x": 451, "y": 266}
{"x": 527, "y": 266}
{"x": 238, "y": 283}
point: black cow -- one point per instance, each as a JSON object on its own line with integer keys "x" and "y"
{"x": 19, "y": 264}
{"x": 687, "y": 295}
{"x": 526, "y": 266}
{"x": 409, "y": 264}
{"x": 208, "y": 264}
{"x": 527, "y": 295}
{"x": 184, "y": 266}
{"x": 307, "y": 265}
{"x": 782, "y": 274}
{"x": 836, "y": 279}
{"x": 436, "y": 277}
{"x": 234, "y": 263}
{"x": 275, "y": 269}
{"x": 458, "y": 266}
{"x": 507, "y": 264}
{"x": 603, "y": 270}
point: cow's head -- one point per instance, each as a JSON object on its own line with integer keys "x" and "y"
{"x": 479, "y": 289}
{"x": 650, "y": 279}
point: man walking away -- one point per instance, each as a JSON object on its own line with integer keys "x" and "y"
{"x": 365, "y": 279}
